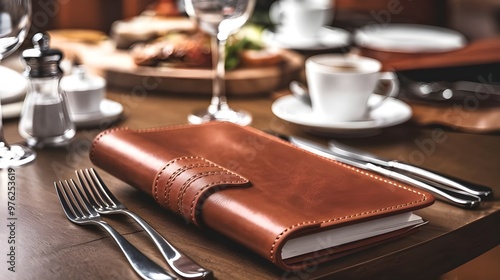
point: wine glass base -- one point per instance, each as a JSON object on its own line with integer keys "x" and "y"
{"x": 16, "y": 155}
{"x": 240, "y": 117}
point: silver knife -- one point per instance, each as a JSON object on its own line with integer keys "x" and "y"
{"x": 455, "y": 197}
{"x": 414, "y": 171}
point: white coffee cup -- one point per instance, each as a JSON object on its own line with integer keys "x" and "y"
{"x": 84, "y": 92}
{"x": 340, "y": 86}
{"x": 302, "y": 18}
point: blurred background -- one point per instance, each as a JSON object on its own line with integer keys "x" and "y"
{"x": 476, "y": 19}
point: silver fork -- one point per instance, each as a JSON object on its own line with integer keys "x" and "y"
{"x": 106, "y": 203}
{"x": 79, "y": 211}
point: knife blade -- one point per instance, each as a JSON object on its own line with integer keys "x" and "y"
{"x": 428, "y": 175}
{"x": 452, "y": 196}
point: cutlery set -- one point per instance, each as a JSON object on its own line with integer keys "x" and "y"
{"x": 83, "y": 203}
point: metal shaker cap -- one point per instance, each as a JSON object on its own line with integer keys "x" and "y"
{"x": 42, "y": 61}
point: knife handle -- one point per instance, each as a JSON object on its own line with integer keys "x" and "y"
{"x": 446, "y": 180}
{"x": 456, "y": 197}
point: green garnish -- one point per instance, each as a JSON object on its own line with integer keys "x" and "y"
{"x": 248, "y": 38}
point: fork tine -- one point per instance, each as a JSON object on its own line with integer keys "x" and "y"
{"x": 77, "y": 199}
{"x": 179, "y": 262}
{"x": 101, "y": 186}
{"x": 93, "y": 198}
{"x": 73, "y": 201}
{"x": 63, "y": 199}
{"x": 82, "y": 201}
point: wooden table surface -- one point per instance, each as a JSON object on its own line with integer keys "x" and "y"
{"x": 48, "y": 246}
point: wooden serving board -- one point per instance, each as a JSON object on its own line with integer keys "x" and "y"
{"x": 119, "y": 69}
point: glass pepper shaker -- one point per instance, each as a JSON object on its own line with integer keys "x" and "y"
{"x": 45, "y": 118}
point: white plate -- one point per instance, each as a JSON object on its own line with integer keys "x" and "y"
{"x": 389, "y": 113}
{"x": 110, "y": 112}
{"x": 409, "y": 38}
{"x": 13, "y": 85}
{"x": 327, "y": 38}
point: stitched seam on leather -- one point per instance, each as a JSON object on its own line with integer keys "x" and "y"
{"x": 157, "y": 179}
{"x": 194, "y": 178}
{"x": 242, "y": 180}
{"x": 385, "y": 180}
{"x": 279, "y": 236}
{"x": 202, "y": 189}
{"x": 273, "y": 138}
{"x": 100, "y": 135}
{"x": 171, "y": 179}
{"x": 375, "y": 177}
{"x": 424, "y": 197}
{"x": 170, "y": 127}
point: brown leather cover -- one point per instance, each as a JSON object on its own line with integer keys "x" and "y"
{"x": 250, "y": 186}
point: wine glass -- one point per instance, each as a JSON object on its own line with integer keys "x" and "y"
{"x": 220, "y": 19}
{"x": 15, "y": 20}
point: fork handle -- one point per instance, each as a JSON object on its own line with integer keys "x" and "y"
{"x": 180, "y": 263}
{"x": 144, "y": 266}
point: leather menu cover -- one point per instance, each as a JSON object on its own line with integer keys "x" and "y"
{"x": 252, "y": 187}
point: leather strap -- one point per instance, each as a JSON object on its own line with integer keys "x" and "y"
{"x": 185, "y": 182}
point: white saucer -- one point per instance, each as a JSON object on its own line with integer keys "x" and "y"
{"x": 326, "y": 38}
{"x": 389, "y": 113}
{"x": 110, "y": 112}
{"x": 13, "y": 85}
{"x": 409, "y": 38}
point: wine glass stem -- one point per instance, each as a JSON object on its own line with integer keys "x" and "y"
{"x": 3, "y": 143}
{"x": 219, "y": 101}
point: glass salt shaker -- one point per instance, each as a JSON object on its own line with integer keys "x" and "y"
{"x": 45, "y": 118}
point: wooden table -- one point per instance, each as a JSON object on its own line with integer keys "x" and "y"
{"x": 48, "y": 246}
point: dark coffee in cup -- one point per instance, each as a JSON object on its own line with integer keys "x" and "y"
{"x": 341, "y": 67}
